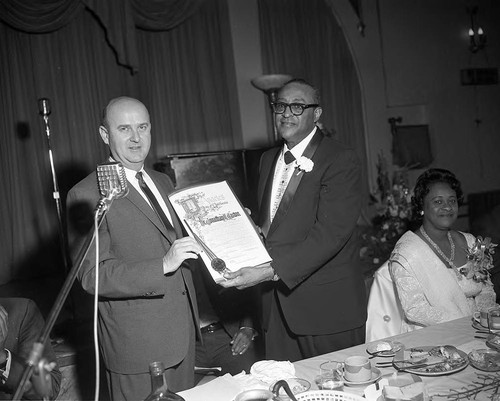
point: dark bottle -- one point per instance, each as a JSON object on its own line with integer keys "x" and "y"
{"x": 159, "y": 388}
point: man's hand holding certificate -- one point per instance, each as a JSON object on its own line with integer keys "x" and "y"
{"x": 214, "y": 217}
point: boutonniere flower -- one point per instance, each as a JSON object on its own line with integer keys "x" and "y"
{"x": 304, "y": 164}
{"x": 479, "y": 259}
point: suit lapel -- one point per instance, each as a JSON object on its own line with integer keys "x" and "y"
{"x": 164, "y": 192}
{"x": 291, "y": 189}
{"x": 136, "y": 198}
{"x": 266, "y": 196}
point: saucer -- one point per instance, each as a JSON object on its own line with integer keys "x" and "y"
{"x": 376, "y": 374}
{"x": 478, "y": 326}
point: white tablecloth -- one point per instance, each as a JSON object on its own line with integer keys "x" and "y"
{"x": 459, "y": 333}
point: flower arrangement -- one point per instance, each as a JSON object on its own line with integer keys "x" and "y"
{"x": 392, "y": 202}
{"x": 304, "y": 164}
{"x": 479, "y": 260}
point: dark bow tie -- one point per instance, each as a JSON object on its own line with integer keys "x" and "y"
{"x": 289, "y": 157}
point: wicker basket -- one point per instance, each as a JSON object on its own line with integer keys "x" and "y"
{"x": 327, "y": 395}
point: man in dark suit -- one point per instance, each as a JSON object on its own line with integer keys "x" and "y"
{"x": 314, "y": 300}
{"x": 21, "y": 324}
{"x": 147, "y": 307}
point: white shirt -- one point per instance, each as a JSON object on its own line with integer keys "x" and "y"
{"x": 130, "y": 174}
{"x": 296, "y": 151}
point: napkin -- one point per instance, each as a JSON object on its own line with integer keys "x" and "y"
{"x": 221, "y": 388}
{"x": 270, "y": 371}
{"x": 398, "y": 386}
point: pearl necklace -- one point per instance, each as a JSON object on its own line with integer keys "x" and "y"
{"x": 438, "y": 249}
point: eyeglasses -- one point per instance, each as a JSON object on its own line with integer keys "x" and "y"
{"x": 296, "y": 108}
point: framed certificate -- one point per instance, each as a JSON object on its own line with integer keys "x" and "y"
{"x": 213, "y": 216}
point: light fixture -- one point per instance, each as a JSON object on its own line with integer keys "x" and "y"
{"x": 477, "y": 37}
{"x": 270, "y": 84}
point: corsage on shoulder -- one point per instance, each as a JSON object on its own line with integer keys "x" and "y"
{"x": 479, "y": 260}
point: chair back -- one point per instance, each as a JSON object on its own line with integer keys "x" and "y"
{"x": 385, "y": 314}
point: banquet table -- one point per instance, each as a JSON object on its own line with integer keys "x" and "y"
{"x": 459, "y": 333}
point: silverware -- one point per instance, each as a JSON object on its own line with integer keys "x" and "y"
{"x": 409, "y": 361}
{"x": 375, "y": 354}
{"x": 419, "y": 366}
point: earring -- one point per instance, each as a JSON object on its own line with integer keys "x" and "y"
{"x": 421, "y": 213}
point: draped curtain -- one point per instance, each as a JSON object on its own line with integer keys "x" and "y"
{"x": 174, "y": 55}
{"x": 303, "y": 39}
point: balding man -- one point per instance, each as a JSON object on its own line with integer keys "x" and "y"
{"x": 147, "y": 307}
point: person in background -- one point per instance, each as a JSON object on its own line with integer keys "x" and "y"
{"x": 147, "y": 305}
{"x": 21, "y": 324}
{"x": 430, "y": 266}
{"x": 309, "y": 192}
{"x": 227, "y": 326}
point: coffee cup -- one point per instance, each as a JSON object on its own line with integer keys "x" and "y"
{"x": 357, "y": 369}
{"x": 482, "y": 317}
{"x": 493, "y": 318}
{"x": 255, "y": 395}
{"x": 489, "y": 317}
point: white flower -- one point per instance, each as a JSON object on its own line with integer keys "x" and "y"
{"x": 304, "y": 164}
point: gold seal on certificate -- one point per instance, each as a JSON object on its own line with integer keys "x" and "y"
{"x": 215, "y": 218}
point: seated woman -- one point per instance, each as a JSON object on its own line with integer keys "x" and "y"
{"x": 427, "y": 265}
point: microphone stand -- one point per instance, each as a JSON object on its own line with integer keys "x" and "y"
{"x": 44, "y": 108}
{"x": 37, "y": 349}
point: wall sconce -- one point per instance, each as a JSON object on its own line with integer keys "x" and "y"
{"x": 270, "y": 84}
{"x": 477, "y": 37}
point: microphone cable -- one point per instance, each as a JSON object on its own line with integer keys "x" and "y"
{"x": 96, "y": 304}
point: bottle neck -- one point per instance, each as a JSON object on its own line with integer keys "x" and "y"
{"x": 158, "y": 381}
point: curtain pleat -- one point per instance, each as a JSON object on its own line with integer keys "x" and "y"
{"x": 163, "y": 15}
{"x": 37, "y": 16}
{"x": 118, "y": 17}
{"x": 186, "y": 79}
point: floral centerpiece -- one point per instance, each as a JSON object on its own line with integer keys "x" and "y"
{"x": 392, "y": 202}
{"x": 479, "y": 260}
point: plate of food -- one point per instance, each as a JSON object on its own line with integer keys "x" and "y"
{"x": 431, "y": 360}
{"x": 384, "y": 348}
{"x": 485, "y": 359}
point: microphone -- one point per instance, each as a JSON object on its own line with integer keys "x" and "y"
{"x": 44, "y": 107}
{"x": 112, "y": 183}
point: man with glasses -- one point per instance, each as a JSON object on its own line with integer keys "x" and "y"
{"x": 314, "y": 299}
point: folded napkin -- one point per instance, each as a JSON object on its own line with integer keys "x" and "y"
{"x": 271, "y": 371}
{"x": 221, "y": 388}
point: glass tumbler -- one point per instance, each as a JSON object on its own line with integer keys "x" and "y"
{"x": 331, "y": 376}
